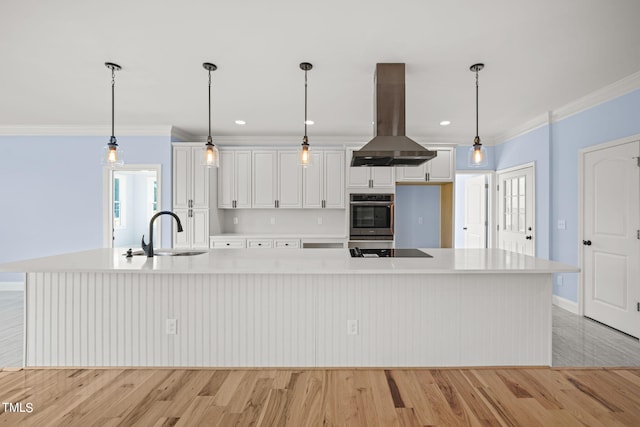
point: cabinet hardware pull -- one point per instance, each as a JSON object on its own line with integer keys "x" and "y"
{"x": 586, "y": 242}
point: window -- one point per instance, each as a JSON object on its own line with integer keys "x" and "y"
{"x": 119, "y": 187}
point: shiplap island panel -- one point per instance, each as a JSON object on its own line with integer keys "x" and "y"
{"x": 288, "y": 308}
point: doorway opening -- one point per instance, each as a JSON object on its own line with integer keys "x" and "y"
{"x": 474, "y": 210}
{"x": 132, "y": 195}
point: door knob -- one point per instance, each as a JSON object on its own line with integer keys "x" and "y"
{"x": 586, "y": 242}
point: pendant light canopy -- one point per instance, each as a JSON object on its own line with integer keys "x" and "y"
{"x": 305, "y": 156}
{"x": 477, "y": 153}
{"x": 111, "y": 155}
{"x": 211, "y": 155}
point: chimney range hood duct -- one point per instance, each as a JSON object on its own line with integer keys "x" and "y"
{"x": 390, "y": 146}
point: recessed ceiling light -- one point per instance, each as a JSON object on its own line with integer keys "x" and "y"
{"x": 241, "y": 122}
{"x": 445, "y": 123}
{"x": 309, "y": 122}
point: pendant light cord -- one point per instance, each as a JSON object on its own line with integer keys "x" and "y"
{"x": 305, "y": 104}
{"x": 113, "y": 91}
{"x": 477, "y": 134}
{"x": 209, "y": 136}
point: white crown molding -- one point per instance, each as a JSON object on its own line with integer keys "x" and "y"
{"x": 179, "y": 134}
{"x": 528, "y": 126}
{"x": 50, "y": 130}
{"x": 607, "y": 93}
{"x": 600, "y": 96}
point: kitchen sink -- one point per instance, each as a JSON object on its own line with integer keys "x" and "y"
{"x": 169, "y": 253}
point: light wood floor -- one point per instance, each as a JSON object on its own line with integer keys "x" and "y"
{"x": 445, "y": 397}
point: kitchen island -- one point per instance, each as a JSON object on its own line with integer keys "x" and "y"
{"x": 288, "y": 308}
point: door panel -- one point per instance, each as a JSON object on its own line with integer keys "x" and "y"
{"x": 516, "y": 211}
{"x": 475, "y": 213}
{"x": 611, "y": 248}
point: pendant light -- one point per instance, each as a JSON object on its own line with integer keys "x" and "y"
{"x": 112, "y": 156}
{"x": 305, "y": 156}
{"x": 477, "y": 153}
{"x": 211, "y": 155}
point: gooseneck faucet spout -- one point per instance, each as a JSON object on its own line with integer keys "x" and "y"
{"x": 148, "y": 249}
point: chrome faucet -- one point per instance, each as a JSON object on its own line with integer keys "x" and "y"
{"x": 148, "y": 249}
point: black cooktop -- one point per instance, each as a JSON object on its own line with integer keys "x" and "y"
{"x": 385, "y": 253}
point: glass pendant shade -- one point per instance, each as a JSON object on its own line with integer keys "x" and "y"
{"x": 211, "y": 156}
{"x": 478, "y": 156}
{"x": 305, "y": 154}
{"x": 112, "y": 156}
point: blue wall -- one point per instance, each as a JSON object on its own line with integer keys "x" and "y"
{"x": 51, "y": 192}
{"x": 412, "y": 202}
{"x": 555, "y": 150}
{"x": 609, "y": 121}
{"x": 532, "y": 147}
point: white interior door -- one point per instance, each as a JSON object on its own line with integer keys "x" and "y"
{"x": 516, "y": 208}
{"x": 475, "y": 212}
{"x": 611, "y": 236}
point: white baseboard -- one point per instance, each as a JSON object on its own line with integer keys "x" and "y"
{"x": 566, "y": 304}
{"x": 11, "y": 286}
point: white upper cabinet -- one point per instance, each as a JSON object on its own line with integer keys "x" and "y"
{"x": 265, "y": 179}
{"x": 369, "y": 177}
{"x": 190, "y": 196}
{"x": 234, "y": 179}
{"x": 324, "y": 180}
{"x": 439, "y": 169}
{"x": 190, "y": 177}
{"x": 276, "y": 179}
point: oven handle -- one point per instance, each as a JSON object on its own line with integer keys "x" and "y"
{"x": 371, "y": 203}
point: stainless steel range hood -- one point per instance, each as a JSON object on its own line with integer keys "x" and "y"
{"x": 390, "y": 146}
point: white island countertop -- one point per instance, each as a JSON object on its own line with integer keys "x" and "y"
{"x": 293, "y": 261}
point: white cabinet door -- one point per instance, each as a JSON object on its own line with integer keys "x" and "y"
{"x": 383, "y": 177}
{"x": 313, "y": 181}
{"x": 265, "y": 179}
{"x": 181, "y": 177}
{"x": 234, "y": 180}
{"x": 333, "y": 177}
{"x": 242, "y": 179}
{"x": 441, "y": 168}
{"x": 199, "y": 228}
{"x": 412, "y": 173}
{"x": 226, "y": 180}
{"x": 369, "y": 177}
{"x": 289, "y": 173}
{"x": 357, "y": 177}
{"x": 181, "y": 240}
{"x": 199, "y": 179}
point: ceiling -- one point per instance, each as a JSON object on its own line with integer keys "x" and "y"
{"x": 539, "y": 56}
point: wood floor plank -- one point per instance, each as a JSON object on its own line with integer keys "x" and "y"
{"x": 331, "y": 397}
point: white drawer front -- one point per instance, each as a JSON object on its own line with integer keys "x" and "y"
{"x": 259, "y": 243}
{"x": 229, "y": 243}
{"x": 287, "y": 243}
